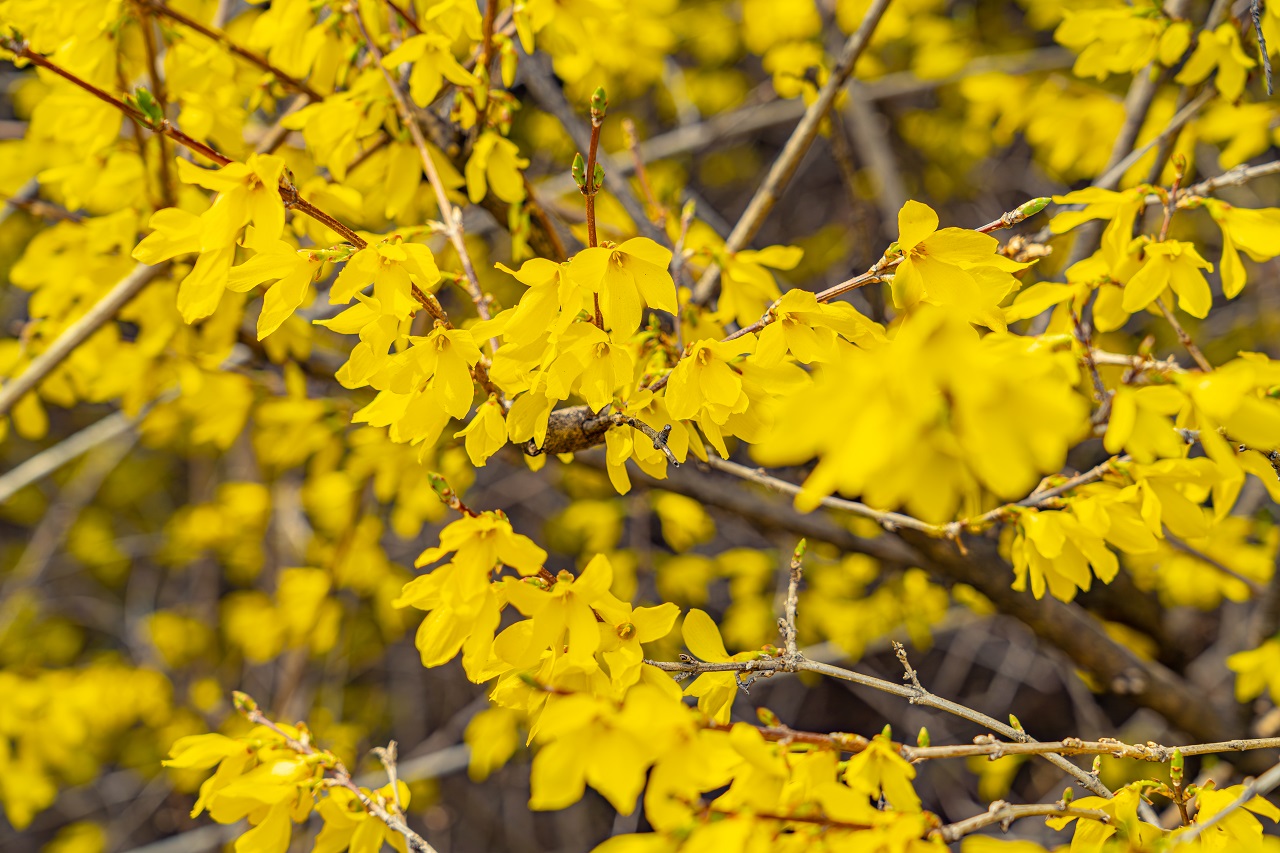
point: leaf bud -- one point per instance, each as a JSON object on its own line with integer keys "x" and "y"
{"x": 599, "y": 104}
{"x": 580, "y": 171}
{"x": 768, "y": 718}
{"x": 922, "y": 739}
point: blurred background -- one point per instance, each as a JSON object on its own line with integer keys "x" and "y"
{"x": 159, "y": 551}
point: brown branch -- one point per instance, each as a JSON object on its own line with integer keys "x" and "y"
{"x": 766, "y": 667}
{"x": 77, "y": 333}
{"x": 405, "y": 16}
{"x": 1067, "y": 627}
{"x": 337, "y": 775}
{"x": 22, "y": 51}
{"x": 451, "y": 216}
{"x": 1196, "y": 355}
{"x": 784, "y": 167}
{"x": 221, "y": 38}
{"x": 1004, "y": 814}
{"x": 657, "y": 213}
{"x": 168, "y": 189}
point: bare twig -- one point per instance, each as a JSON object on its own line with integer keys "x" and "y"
{"x": 1004, "y": 814}
{"x": 339, "y": 776}
{"x": 290, "y": 82}
{"x": 449, "y": 215}
{"x": 788, "y": 622}
{"x": 658, "y": 437}
{"x": 784, "y": 167}
{"x": 77, "y": 333}
{"x": 1262, "y": 785}
{"x": 1255, "y": 12}
{"x": 914, "y": 694}
{"x": 1196, "y": 355}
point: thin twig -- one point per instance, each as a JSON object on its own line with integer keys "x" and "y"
{"x": 1254, "y": 587}
{"x": 449, "y": 215}
{"x": 1263, "y": 784}
{"x": 287, "y": 80}
{"x": 788, "y": 622}
{"x": 1004, "y": 814}
{"x": 784, "y": 167}
{"x": 1255, "y": 12}
{"x": 657, "y": 213}
{"x": 339, "y": 776}
{"x": 915, "y": 695}
{"x": 405, "y": 16}
{"x": 77, "y": 333}
{"x": 1196, "y": 355}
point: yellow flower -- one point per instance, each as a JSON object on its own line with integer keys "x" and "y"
{"x": 1257, "y": 670}
{"x": 433, "y": 63}
{"x": 879, "y": 769}
{"x": 954, "y": 267}
{"x": 247, "y": 192}
{"x": 295, "y": 270}
{"x": 626, "y": 276}
{"x": 704, "y": 379}
{"x": 1219, "y": 49}
{"x": 393, "y": 268}
{"x": 487, "y": 432}
{"x": 1170, "y": 264}
{"x": 495, "y": 165}
{"x": 715, "y": 690}
{"x": 1255, "y": 232}
{"x": 481, "y": 542}
{"x": 808, "y": 329}
{"x": 747, "y": 287}
{"x": 563, "y": 617}
{"x": 445, "y": 357}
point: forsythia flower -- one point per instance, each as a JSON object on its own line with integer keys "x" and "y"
{"x": 955, "y": 267}
{"x": 1255, "y": 232}
{"x": 625, "y": 276}
{"x": 971, "y": 411}
{"x": 1257, "y": 671}
{"x": 433, "y": 63}
{"x": 495, "y": 165}
{"x": 1175, "y": 265}
{"x": 747, "y": 287}
{"x": 1219, "y": 49}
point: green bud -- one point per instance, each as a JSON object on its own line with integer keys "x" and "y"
{"x": 1068, "y": 795}
{"x": 801, "y": 547}
{"x": 887, "y": 732}
{"x": 1016, "y": 723}
{"x": 149, "y": 106}
{"x": 922, "y": 739}
{"x": 579, "y": 171}
{"x": 768, "y": 718}
{"x": 599, "y": 103}
{"x": 243, "y": 702}
{"x": 1032, "y": 207}
{"x": 1176, "y": 767}
{"x": 599, "y": 182}
{"x": 1097, "y": 765}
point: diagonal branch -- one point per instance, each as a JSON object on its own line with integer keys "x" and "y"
{"x": 775, "y": 183}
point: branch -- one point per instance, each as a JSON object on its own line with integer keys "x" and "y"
{"x": 338, "y": 775}
{"x": 449, "y": 214}
{"x": 1004, "y": 814}
{"x": 288, "y": 81}
{"x": 775, "y": 183}
{"x": 1263, "y": 784}
{"x": 914, "y": 694}
{"x": 77, "y": 333}
{"x": 1196, "y": 355}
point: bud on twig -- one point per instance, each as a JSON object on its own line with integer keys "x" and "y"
{"x": 579, "y": 171}
{"x": 599, "y": 105}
